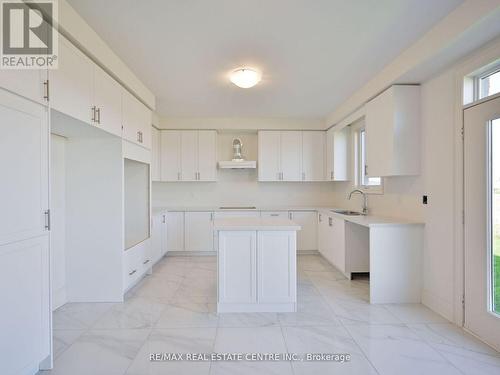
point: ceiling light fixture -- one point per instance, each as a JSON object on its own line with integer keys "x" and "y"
{"x": 245, "y": 77}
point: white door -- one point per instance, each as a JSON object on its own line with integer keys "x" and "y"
{"x": 25, "y": 337}
{"x": 175, "y": 231}
{"x": 207, "y": 155}
{"x": 237, "y": 267}
{"x": 199, "y": 231}
{"x": 71, "y": 83}
{"x": 108, "y": 103}
{"x": 307, "y": 236}
{"x": 291, "y": 155}
{"x": 155, "y": 154}
{"x": 276, "y": 266}
{"x": 269, "y": 156}
{"x": 482, "y": 220}
{"x": 313, "y": 155}
{"x": 170, "y": 155}
{"x": 189, "y": 155}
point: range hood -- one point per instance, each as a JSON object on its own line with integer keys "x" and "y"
{"x": 238, "y": 164}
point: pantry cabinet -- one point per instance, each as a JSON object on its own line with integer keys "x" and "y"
{"x": 136, "y": 120}
{"x": 188, "y": 155}
{"x": 313, "y": 156}
{"x": 337, "y": 154}
{"x": 199, "y": 232}
{"x": 393, "y": 132}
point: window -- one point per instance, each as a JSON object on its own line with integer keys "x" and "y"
{"x": 488, "y": 83}
{"x": 361, "y": 180}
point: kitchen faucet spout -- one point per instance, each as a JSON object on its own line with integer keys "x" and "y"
{"x": 365, "y": 200}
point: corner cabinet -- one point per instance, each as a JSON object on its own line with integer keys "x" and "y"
{"x": 188, "y": 155}
{"x": 393, "y": 132}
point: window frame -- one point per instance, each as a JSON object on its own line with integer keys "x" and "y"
{"x": 357, "y": 161}
{"x": 477, "y": 81}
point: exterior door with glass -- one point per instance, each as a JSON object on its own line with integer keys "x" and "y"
{"x": 482, "y": 219}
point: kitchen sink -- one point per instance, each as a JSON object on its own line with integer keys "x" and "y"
{"x": 348, "y": 213}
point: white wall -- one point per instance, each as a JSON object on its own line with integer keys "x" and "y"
{"x": 58, "y": 219}
{"x": 240, "y": 187}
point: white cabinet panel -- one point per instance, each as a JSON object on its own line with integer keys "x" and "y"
{"x": 276, "y": 265}
{"x": 337, "y": 154}
{"x": 307, "y": 237}
{"x": 155, "y": 154}
{"x": 158, "y": 236}
{"x": 337, "y": 231}
{"x": 27, "y": 83}
{"x": 323, "y": 235}
{"x": 25, "y": 312}
{"x": 207, "y": 155}
{"x": 199, "y": 231}
{"x": 313, "y": 156}
{"x": 71, "y": 83}
{"x": 237, "y": 267}
{"x": 136, "y": 120}
{"x": 170, "y": 160}
{"x": 291, "y": 155}
{"x": 269, "y": 168}
{"x": 393, "y": 132}
{"x": 24, "y": 162}
{"x": 189, "y": 155}
{"x": 235, "y": 214}
{"x": 107, "y": 102}
{"x": 175, "y": 231}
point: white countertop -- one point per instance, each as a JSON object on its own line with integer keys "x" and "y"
{"x": 370, "y": 220}
{"x": 219, "y": 209}
{"x": 255, "y": 223}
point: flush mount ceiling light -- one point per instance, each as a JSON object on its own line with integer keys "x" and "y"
{"x": 245, "y": 77}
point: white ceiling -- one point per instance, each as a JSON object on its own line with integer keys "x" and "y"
{"x": 313, "y": 53}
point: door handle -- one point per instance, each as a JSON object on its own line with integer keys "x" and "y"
{"x": 164, "y": 219}
{"x": 132, "y": 272}
{"x": 46, "y": 90}
{"x": 330, "y": 222}
{"x": 93, "y": 113}
{"x": 319, "y": 218}
{"x": 98, "y": 115}
{"x": 290, "y": 215}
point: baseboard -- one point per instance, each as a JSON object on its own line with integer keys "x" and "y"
{"x": 435, "y": 303}
{"x": 190, "y": 253}
{"x": 307, "y": 252}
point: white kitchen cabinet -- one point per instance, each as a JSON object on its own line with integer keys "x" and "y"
{"x": 199, "y": 232}
{"x": 28, "y": 83}
{"x": 337, "y": 238}
{"x": 337, "y": 154}
{"x": 155, "y": 155}
{"x": 313, "y": 156}
{"x": 392, "y": 123}
{"x": 107, "y": 102}
{"x": 280, "y": 155}
{"x": 136, "y": 120}
{"x": 276, "y": 266}
{"x": 188, "y": 155}
{"x": 237, "y": 257}
{"x": 323, "y": 236}
{"x": 158, "y": 236}
{"x": 71, "y": 83}
{"x": 269, "y": 168}
{"x": 278, "y": 214}
{"x": 175, "y": 231}
{"x": 170, "y": 155}
{"x": 307, "y": 236}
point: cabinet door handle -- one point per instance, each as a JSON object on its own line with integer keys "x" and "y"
{"x": 146, "y": 261}
{"x": 319, "y": 218}
{"x": 211, "y": 216}
{"x": 331, "y": 175}
{"x": 93, "y": 113}
{"x": 366, "y": 170}
{"x": 132, "y": 272}
{"x": 290, "y": 215}
{"x": 98, "y": 115}
{"x": 275, "y": 215}
{"x": 47, "y": 219}
{"x": 164, "y": 219}
{"x": 330, "y": 221}
{"x": 46, "y": 89}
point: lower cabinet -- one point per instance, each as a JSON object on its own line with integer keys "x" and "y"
{"x": 323, "y": 232}
{"x": 175, "y": 231}
{"x": 337, "y": 235}
{"x": 158, "y": 236}
{"x": 137, "y": 261}
{"x": 199, "y": 231}
{"x": 307, "y": 237}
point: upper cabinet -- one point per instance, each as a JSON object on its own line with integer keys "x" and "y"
{"x": 29, "y": 83}
{"x": 107, "y": 103}
{"x": 188, "y": 155}
{"x": 337, "y": 151}
{"x": 136, "y": 120}
{"x": 291, "y": 155}
{"x": 393, "y": 132}
{"x": 71, "y": 84}
{"x": 155, "y": 154}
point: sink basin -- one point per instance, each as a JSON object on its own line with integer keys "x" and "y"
{"x": 348, "y": 213}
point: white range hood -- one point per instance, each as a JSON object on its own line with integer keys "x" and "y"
{"x": 238, "y": 164}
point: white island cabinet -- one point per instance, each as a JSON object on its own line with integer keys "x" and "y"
{"x": 257, "y": 265}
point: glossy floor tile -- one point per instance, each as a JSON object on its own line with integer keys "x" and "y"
{"x": 174, "y": 311}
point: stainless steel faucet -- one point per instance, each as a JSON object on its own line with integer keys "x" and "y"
{"x": 365, "y": 201}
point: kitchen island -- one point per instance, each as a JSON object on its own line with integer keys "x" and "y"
{"x": 257, "y": 264}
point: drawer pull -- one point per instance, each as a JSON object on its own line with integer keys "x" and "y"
{"x": 132, "y": 272}
{"x": 275, "y": 214}
{"x": 330, "y": 221}
{"x": 145, "y": 262}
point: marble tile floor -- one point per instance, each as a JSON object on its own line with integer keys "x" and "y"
{"x": 174, "y": 311}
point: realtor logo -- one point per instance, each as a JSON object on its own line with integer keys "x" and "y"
{"x": 29, "y": 40}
